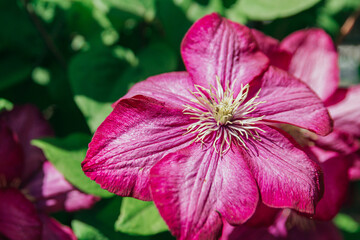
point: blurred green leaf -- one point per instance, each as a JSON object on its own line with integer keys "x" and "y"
{"x": 269, "y": 10}
{"x": 173, "y": 21}
{"x": 197, "y": 11}
{"x": 5, "y": 104}
{"x": 21, "y": 35}
{"x": 333, "y": 14}
{"x": 346, "y": 223}
{"x": 139, "y": 218}
{"x": 103, "y": 216}
{"x": 67, "y": 154}
{"x": 236, "y": 13}
{"x": 93, "y": 111}
{"x": 141, "y": 8}
{"x": 154, "y": 59}
{"x": 84, "y": 231}
{"x": 45, "y": 9}
{"x": 335, "y": 6}
{"x": 100, "y": 77}
{"x": 20, "y": 44}
{"x": 93, "y": 77}
{"x": 41, "y": 76}
{"x": 13, "y": 70}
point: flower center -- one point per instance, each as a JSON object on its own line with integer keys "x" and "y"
{"x": 223, "y": 118}
{"x": 223, "y": 113}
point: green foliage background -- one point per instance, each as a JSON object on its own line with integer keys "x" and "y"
{"x": 73, "y": 58}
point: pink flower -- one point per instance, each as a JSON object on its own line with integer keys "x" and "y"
{"x": 344, "y": 108}
{"x": 30, "y": 186}
{"x": 202, "y": 143}
{"x": 287, "y": 226}
{"x": 312, "y": 57}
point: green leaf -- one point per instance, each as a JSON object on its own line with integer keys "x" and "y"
{"x": 141, "y": 8}
{"x": 335, "y": 6}
{"x": 269, "y": 10}
{"x": 173, "y": 21}
{"x": 5, "y": 104}
{"x": 84, "y": 231}
{"x": 67, "y": 154}
{"x": 100, "y": 77}
{"x": 102, "y": 217}
{"x": 235, "y": 13}
{"x": 139, "y": 218}
{"x": 94, "y": 78}
{"x": 13, "y": 70}
{"x": 15, "y": 36}
{"x": 156, "y": 58}
{"x": 197, "y": 11}
{"x": 346, "y": 223}
{"x": 94, "y": 112}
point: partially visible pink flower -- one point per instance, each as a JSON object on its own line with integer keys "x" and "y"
{"x": 29, "y": 185}
{"x": 287, "y": 226}
{"x": 202, "y": 143}
{"x": 312, "y": 57}
{"x": 354, "y": 170}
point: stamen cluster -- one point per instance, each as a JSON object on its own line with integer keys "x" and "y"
{"x": 222, "y": 118}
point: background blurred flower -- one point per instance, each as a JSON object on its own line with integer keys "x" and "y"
{"x": 31, "y": 186}
{"x": 287, "y": 226}
{"x": 335, "y": 152}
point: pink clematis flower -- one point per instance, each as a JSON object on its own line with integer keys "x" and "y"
{"x": 334, "y": 152}
{"x": 30, "y": 187}
{"x": 311, "y": 56}
{"x": 202, "y": 144}
{"x": 287, "y": 226}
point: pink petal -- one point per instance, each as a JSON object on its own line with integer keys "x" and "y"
{"x": 28, "y": 123}
{"x": 18, "y": 217}
{"x": 217, "y": 47}
{"x": 263, "y": 216}
{"x": 11, "y": 156}
{"x": 300, "y": 229}
{"x": 278, "y": 229}
{"x": 346, "y": 113}
{"x": 245, "y": 232}
{"x": 317, "y": 230}
{"x": 271, "y": 47}
{"x": 335, "y": 187}
{"x": 193, "y": 187}
{"x": 288, "y": 100}
{"x": 354, "y": 169}
{"x": 286, "y": 176}
{"x": 314, "y": 61}
{"x": 172, "y": 88}
{"x": 335, "y": 144}
{"x": 137, "y": 134}
{"x": 53, "y": 230}
{"x": 52, "y": 193}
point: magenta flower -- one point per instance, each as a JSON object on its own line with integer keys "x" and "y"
{"x": 287, "y": 226}
{"x": 202, "y": 143}
{"x": 311, "y": 56}
{"x": 30, "y": 187}
{"x": 345, "y": 110}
